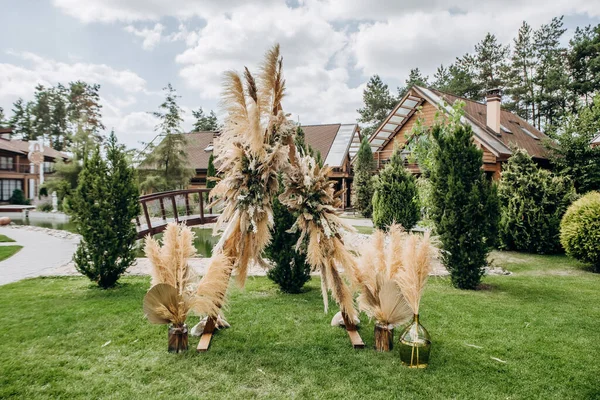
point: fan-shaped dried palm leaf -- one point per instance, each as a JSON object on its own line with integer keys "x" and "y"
{"x": 380, "y": 296}
{"x": 164, "y": 305}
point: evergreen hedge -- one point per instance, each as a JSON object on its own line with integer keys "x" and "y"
{"x": 533, "y": 202}
{"x": 464, "y": 204}
{"x": 291, "y": 271}
{"x": 396, "y": 199}
{"x": 364, "y": 169}
{"x": 580, "y": 230}
{"x": 103, "y": 208}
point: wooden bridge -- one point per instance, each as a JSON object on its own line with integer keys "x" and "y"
{"x": 181, "y": 206}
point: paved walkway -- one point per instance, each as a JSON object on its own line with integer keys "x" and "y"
{"x": 41, "y": 252}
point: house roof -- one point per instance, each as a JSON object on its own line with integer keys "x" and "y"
{"x": 22, "y": 147}
{"x": 514, "y": 130}
{"x": 333, "y": 141}
{"x": 596, "y": 140}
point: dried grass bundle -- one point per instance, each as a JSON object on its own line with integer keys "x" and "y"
{"x": 254, "y": 151}
{"x": 173, "y": 294}
{"x": 376, "y": 275}
{"x": 416, "y": 267}
{"x": 312, "y": 195}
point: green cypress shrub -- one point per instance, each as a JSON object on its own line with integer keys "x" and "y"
{"x": 464, "y": 204}
{"x": 396, "y": 199}
{"x": 18, "y": 197}
{"x": 103, "y": 208}
{"x": 364, "y": 169}
{"x": 533, "y": 202}
{"x": 580, "y": 230}
{"x": 291, "y": 271}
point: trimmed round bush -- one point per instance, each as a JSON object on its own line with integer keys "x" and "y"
{"x": 580, "y": 230}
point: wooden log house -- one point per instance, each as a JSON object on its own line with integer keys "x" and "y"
{"x": 496, "y": 131}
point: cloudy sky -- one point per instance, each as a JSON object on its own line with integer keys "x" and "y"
{"x": 133, "y": 48}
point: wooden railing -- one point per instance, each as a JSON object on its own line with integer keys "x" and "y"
{"x": 157, "y": 218}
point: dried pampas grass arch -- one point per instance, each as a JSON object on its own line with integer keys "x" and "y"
{"x": 256, "y": 144}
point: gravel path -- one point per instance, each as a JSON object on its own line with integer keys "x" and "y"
{"x": 48, "y": 252}
{"x": 43, "y": 250}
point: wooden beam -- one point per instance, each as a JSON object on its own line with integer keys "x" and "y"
{"x": 355, "y": 338}
{"x": 206, "y": 337}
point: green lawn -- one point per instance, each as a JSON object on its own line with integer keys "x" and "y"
{"x": 363, "y": 229}
{"x": 5, "y": 239}
{"x": 8, "y": 251}
{"x": 63, "y": 338}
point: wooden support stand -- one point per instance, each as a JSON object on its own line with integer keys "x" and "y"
{"x": 207, "y": 334}
{"x": 355, "y": 338}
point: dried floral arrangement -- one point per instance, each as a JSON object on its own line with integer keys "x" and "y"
{"x": 391, "y": 274}
{"x": 377, "y": 276}
{"x": 310, "y": 192}
{"x": 253, "y": 151}
{"x": 174, "y": 292}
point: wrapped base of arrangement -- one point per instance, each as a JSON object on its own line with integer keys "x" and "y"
{"x": 384, "y": 337}
{"x": 415, "y": 345}
{"x": 178, "y": 338}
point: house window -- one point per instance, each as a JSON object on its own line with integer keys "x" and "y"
{"x": 48, "y": 167}
{"x": 8, "y": 186}
{"x": 530, "y": 134}
{"x": 6, "y": 163}
{"x": 505, "y": 129}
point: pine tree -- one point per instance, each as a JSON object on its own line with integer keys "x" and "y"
{"x": 364, "y": 169}
{"x": 378, "y": 102}
{"x": 415, "y": 77}
{"x": 291, "y": 271}
{"x": 84, "y": 110}
{"x": 168, "y": 161}
{"x": 551, "y": 78}
{"x": 463, "y": 79}
{"x": 533, "y": 202}
{"x": 3, "y": 122}
{"x": 571, "y": 153}
{"x": 22, "y": 121}
{"x": 42, "y": 124}
{"x": 520, "y": 86}
{"x": 59, "y": 135}
{"x": 205, "y": 122}
{"x": 584, "y": 62}
{"x": 465, "y": 207}
{"x": 104, "y": 206}
{"x": 211, "y": 172}
{"x": 396, "y": 199}
{"x": 491, "y": 62}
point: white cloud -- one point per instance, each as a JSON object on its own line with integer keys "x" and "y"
{"x": 147, "y": 10}
{"x": 151, "y": 37}
{"x": 315, "y": 59}
{"x": 393, "y": 45}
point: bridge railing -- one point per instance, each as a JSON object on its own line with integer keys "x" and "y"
{"x": 158, "y": 209}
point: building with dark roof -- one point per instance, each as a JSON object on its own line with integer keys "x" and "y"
{"x": 496, "y": 131}
{"x": 337, "y": 144}
{"x": 16, "y": 171}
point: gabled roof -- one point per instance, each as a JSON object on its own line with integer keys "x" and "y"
{"x": 22, "y": 147}
{"x": 514, "y": 130}
{"x": 333, "y": 141}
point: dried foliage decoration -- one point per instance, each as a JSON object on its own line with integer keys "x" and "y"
{"x": 377, "y": 275}
{"x": 251, "y": 153}
{"x": 310, "y": 192}
{"x": 174, "y": 293}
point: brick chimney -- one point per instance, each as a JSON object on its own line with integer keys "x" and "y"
{"x": 493, "y": 100}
